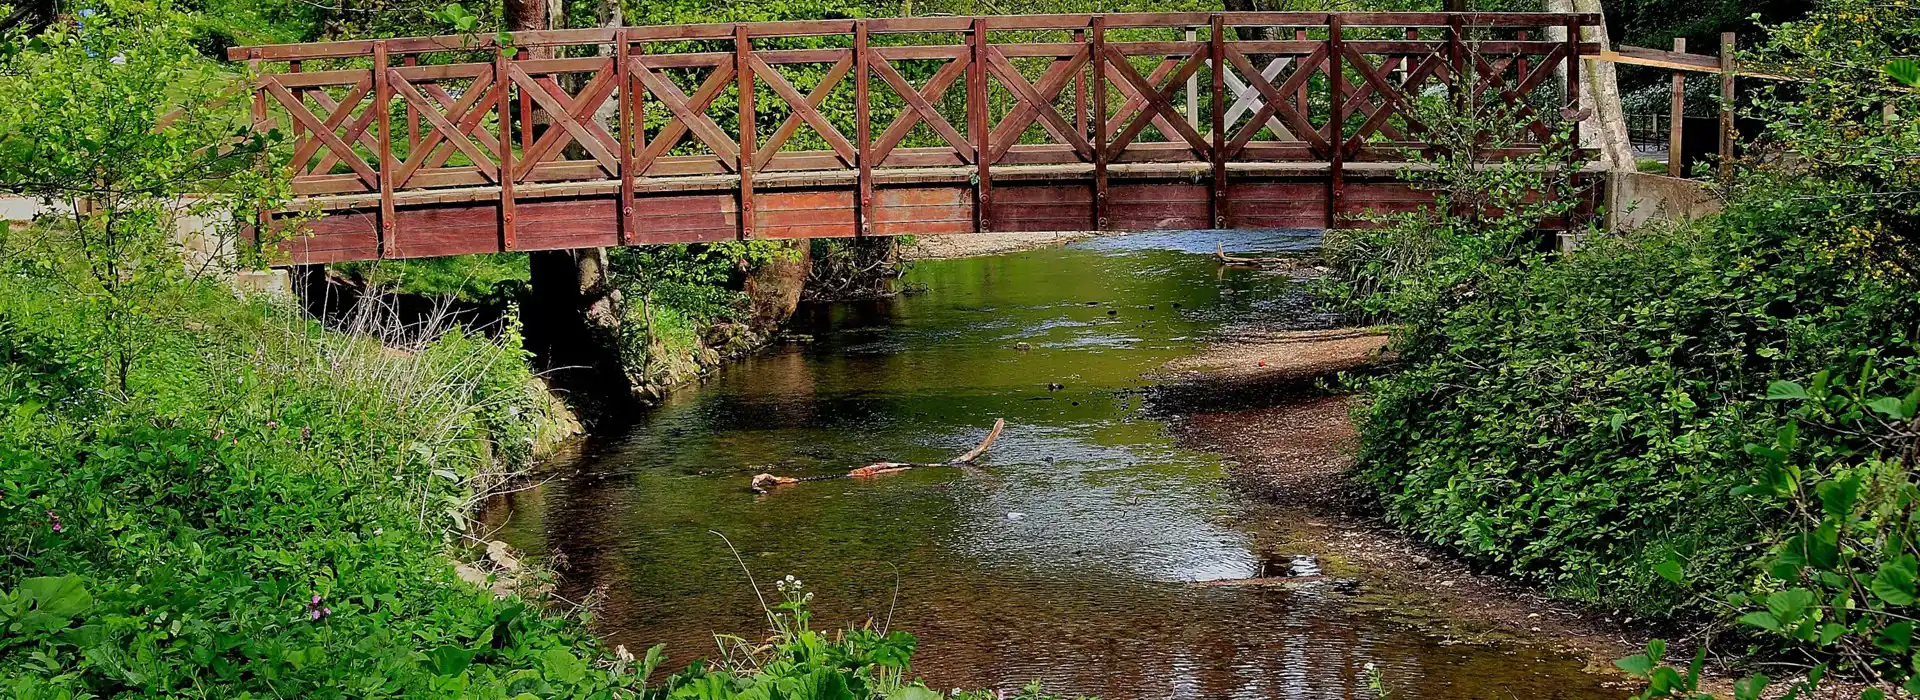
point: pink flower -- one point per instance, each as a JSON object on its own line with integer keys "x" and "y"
{"x": 55, "y": 520}
{"x": 315, "y": 610}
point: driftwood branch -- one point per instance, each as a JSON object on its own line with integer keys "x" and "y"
{"x": 763, "y": 482}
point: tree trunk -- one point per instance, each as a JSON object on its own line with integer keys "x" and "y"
{"x": 1606, "y": 126}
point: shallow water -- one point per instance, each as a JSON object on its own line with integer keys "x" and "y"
{"x": 1066, "y": 556}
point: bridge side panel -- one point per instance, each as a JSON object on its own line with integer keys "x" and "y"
{"x": 922, "y": 211}
{"x": 1027, "y": 207}
{"x": 337, "y": 237}
{"x": 1277, "y": 204}
{"x": 685, "y": 218}
{"x": 1151, "y": 206}
{"x": 560, "y": 224}
{"x": 804, "y": 214}
{"x": 446, "y": 229}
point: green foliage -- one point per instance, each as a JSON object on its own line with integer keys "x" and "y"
{"x": 495, "y": 278}
{"x": 1486, "y": 212}
{"x": 85, "y": 126}
{"x": 673, "y": 293}
{"x": 1582, "y": 420}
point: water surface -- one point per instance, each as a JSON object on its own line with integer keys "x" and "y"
{"x": 1068, "y": 555}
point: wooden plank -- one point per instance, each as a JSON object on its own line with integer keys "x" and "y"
{"x": 1336, "y": 120}
{"x": 456, "y": 229}
{"x": 1727, "y": 68}
{"x": 1217, "y": 123}
{"x": 863, "y": 126}
{"x": 622, "y": 65}
{"x": 743, "y": 70}
{"x": 383, "y": 98}
{"x": 1097, "y": 48}
{"x": 977, "y": 120}
{"x": 503, "y": 106}
{"x": 1676, "y": 115}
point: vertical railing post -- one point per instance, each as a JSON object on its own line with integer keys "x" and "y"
{"x": 1727, "y": 42}
{"x": 1080, "y": 89}
{"x": 382, "y": 99}
{"x": 1301, "y": 95}
{"x": 977, "y": 120}
{"x": 1575, "y": 159}
{"x": 621, "y": 53}
{"x": 1573, "y": 73}
{"x": 503, "y": 101}
{"x": 1676, "y": 116}
{"x": 863, "y": 130}
{"x": 1193, "y": 87}
{"x": 1336, "y": 120}
{"x": 296, "y": 128}
{"x": 1097, "y": 39}
{"x": 1217, "y": 49}
{"x": 264, "y": 223}
{"x": 526, "y": 107}
{"x": 749, "y": 136}
{"x": 413, "y": 115}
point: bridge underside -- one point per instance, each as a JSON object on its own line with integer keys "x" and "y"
{"x": 918, "y": 202}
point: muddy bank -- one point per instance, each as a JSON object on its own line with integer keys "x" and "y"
{"x": 1289, "y": 442}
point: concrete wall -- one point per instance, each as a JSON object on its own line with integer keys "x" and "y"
{"x": 1636, "y": 199}
{"x": 204, "y": 248}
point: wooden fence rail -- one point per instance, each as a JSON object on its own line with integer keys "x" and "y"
{"x": 426, "y": 146}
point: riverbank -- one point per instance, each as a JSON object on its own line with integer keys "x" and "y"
{"x": 1263, "y": 402}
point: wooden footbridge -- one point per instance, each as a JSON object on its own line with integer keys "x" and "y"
{"x": 430, "y": 146}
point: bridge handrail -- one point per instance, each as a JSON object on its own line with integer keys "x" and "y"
{"x": 410, "y": 132}
{"x": 899, "y": 25}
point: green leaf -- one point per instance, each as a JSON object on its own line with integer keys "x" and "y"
{"x": 1837, "y": 496}
{"x": 1873, "y": 694}
{"x": 1896, "y": 639}
{"x": 449, "y": 660}
{"x": 1830, "y": 632}
{"x": 1749, "y": 688}
{"x": 1895, "y": 581}
{"x": 1789, "y": 605}
{"x": 1782, "y": 390}
{"x": 1891, "y": 407}
{"x": 1671, "y": 570}
{"x": 1637, "y": 665}
{"x": 562, "y": 666}
{"x": 1761, "y": 620}
{"x": 1905, "y": 71}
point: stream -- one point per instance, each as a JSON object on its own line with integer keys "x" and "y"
{"x": 1068, "y": 555}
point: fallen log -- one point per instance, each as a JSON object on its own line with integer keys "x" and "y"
{"x": 763, "y": 482}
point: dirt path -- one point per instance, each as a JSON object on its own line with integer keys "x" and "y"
{"x": 1256, "y": 401}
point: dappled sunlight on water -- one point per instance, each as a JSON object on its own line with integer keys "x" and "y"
{"x": 1066, "y": 555}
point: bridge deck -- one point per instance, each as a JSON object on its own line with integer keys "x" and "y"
{"x": 918, "y": 126}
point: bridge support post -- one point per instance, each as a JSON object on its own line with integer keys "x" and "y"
{"x": 1217, "y": 49}
{"x": 749, "y": 134}
{"x": 1097, "y": 39}
{"x": 977, "y": 123}
{"x": 1336, "y": 121}
{"x": 863, "y": 131}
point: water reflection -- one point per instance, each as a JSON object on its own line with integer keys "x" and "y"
{"x": 1066, "y": 556}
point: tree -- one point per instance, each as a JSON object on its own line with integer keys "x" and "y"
{"x": 85, "y": 126}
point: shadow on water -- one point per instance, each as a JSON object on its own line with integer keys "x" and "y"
{"x": 1068, "y": 555}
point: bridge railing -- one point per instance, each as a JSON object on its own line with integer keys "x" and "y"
{"x": 858, "y": 103}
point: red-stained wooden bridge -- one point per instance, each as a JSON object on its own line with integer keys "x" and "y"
{"x": 430, "y": 146}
